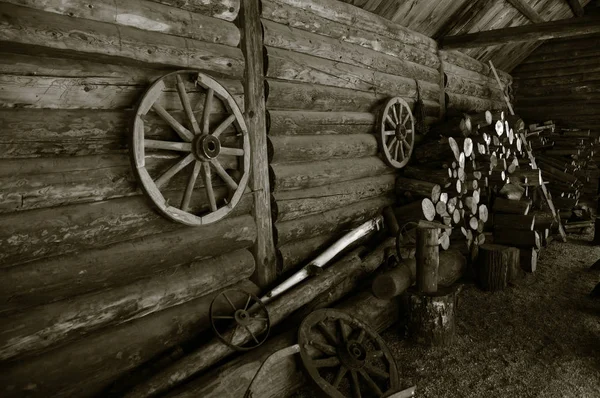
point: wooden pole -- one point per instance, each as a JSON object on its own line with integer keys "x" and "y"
{"x": 428, "y": 259}
{"x": 576, "y": 7}
{"x": 528, "y": 11}
{"x": 541, "y": 31}
{"x": 255, "y": 114}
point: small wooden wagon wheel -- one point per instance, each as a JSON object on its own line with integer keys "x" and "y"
{"x": 345, "y": 357}
{"x": 396, "y": 132}
{"x": 253, "y": 317}
{"x": 199, "y": 141}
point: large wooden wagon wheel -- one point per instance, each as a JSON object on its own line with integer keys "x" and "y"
{"x": 396, "y": 132}
{"x": 206, "y": 137}
{"x": 345, "y": 357}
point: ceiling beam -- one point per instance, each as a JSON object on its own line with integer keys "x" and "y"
{"x": 541, "y": 31}
{"x": 525, "y": 9}
{"x": 576, "y": 7}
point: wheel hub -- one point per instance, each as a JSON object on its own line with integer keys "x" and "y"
{"x": 206, "y": 147}
{"x": 400, "y": 131}
{"x": 242, "y": 317}
{"x": 353, "y": 354}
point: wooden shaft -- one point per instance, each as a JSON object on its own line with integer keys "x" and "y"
{"x": 428, "y": 259}
{"x": 528, "y": 11}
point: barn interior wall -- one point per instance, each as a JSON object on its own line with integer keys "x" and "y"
{"x": 94, "y": 282}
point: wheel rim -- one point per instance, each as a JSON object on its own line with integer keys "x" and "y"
{"x": 342, "y": 356}
{"x": 253, "y": 318}
{"x": 396, "y": 132}
{"x": 204, "y": 144}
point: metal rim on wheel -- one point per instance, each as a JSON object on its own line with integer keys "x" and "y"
{"x": 200, "y": 147}
{"x": 396, "y": 132}
{"x": 253, "y": 318}
{"x": 343, "y": 355}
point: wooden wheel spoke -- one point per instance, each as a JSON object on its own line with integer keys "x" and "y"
{"x": 396, "y": 150}
{"x": 339, "y": 376}
{"x": 406, "y": 118}
{"x": 395, "y": 114}
{"x": 361, "y": 335}
{"x": 259, "y": 318}
{"x": 252, "y": 334}
{"x": 223, "y": 126}
{"x": 401, "y": 149}
{"x": 375, "y": 354}
{"x": 343, "y": 330}
{"x": 407, "y": 145}
{"x": 324, "y": 348}
{"x": 207, "y": 110}
{"x": 388, "y": 118}
{"x": 400, "y": 108}
{"x": 232, "y": 151}
{"x": 210, "y": 193}
{"x": 327, "y": 362}
{"x": 189, "y": 189}
{"x": 229, "y": 301}
{"x": 392, "y": 142}
{"x": 248, "y": 302}
{"x": 327, "y": 334}
{"x": 223, "y": 174}
{"x": 168, "y": 145}
{"x": 231, "y": 338}
{"x": 176, "y": 168}
{"x": 184, "y": 133}
{"x": 355, "y": 385}
{"x": 223, "y": 317}
{"x": 371, "y": 383}
{"x": 389, "y": 132}
{"x": 187, "y": 107}
{"x": 376, "y": 371}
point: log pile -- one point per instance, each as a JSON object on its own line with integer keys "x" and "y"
{"x": 567, "y": 158}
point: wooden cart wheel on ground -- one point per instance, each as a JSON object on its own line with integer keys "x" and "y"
{"x": 205, "y": 133}
{"x": 396, "y": 134}
{"x": 345, "y": 357}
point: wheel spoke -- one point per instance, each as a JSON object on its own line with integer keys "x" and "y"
{"x": 395, "y": 114}
{"x": 230, "y": 302}
{"x": 361, "y": 335}
{"x": 251, "y": 334}
{"x": 184, "y": 133}
{"x": 223, "y": 174}
{"x": 401, "y": 149}
{"x": 343, "y": 330}
{"x": 389, "y": 132}
{"x": 189, "y": 189}
{"x": 396, "y": 150}
{"x": 176, "y": 168}
{"x": 223, "y": 317}
{"x": 339, "y": 376}
{"x": 260, "y": 318}
{"x": 168, "y": 145}
{"x": 375, "y": 354}
{"x": 232, "y": 151}
{"x": 247, "y": 302}
{"x": 324, "y": 348}
{"x": 391, "y": 144}
{"x": 223, "y": 126}
{"x": 233, "y": 334}
{"x": 207, "y": 110}
{"x": 389, "y": 119}
{"x": 377, "y": 372}
{"x": 326, "y": 362}
{"x": 406, "y": 118}
{"x": 210, "y": 193}
{"x": 400, "y": 107}
{"x": 327, "y": 334}
{"x": 355, "y": 385}
{"x": 406, "y": 143}
{"x": 371, "y": 383}
{"x": 187, "y": 107}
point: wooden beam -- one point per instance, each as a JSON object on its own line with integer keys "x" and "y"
{"x": 255, "y": 115}
{"x": 528, "y": 11}
{"x": 576, "y": 7}
{"x": 542, "y": 31}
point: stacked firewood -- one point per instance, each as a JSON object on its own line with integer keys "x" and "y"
{"x": 566, "y": 157}
{"x": 479, "y": 162}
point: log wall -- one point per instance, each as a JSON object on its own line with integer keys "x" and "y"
{"x": 95, "y": 284}
{"x": 560, "y": 81}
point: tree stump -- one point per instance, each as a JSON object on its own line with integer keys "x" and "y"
{"x": 428, "y": 259}
{"x": 495, "y": 261}
{"x": 431, "y": 317}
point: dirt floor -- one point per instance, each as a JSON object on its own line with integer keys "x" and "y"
{"x": 540, "y": 338}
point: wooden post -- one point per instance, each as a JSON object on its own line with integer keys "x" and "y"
{"x": 255, "y": 114}
{"x": 428, "y": 259}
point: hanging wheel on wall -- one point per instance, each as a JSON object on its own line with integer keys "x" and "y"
{"x": 345, "y": 357}
{"x": 396, "y": 132}
{"x": 188, "y": 125}
{"x": 228, "y": 320}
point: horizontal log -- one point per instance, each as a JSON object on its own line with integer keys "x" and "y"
{"x": 300, "y": 41}
{"x": 466, "y": 103}
{"x": 307, "y": 175}
{"x": 330, "y": 221}
{"x": 502, "y": 205}
{"x": 515, "y": 221}
{"x": 144, "y": 15}
{"x": 307, "y": 148}
{"x": 45, "y": 326}
{"x": 112, "y": 353}
{"x": 408, "y": 213}
{"x": 299, "y": 252}
{"x": 464, "y": 61}
{"x": 27, "y": 27}
{"x": 300, "y": 203}
{"x": 435, "y": 175}
{"x": 413, "y": 186}
{"x": 433, "y": 151}
{"x": 348, "y": 15}
{"x": 55, "y": 278}
{"x": 517, "y": 238}
{"x": 543, "y": 219}
{"x": 458, "y": 85}
{"x": 320, "y": 123}
{"x": 222, "y": 9}
{"x": 540, "y": 31}
{"x": 523, "y": 83}
{"x": 297, "y": 18}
